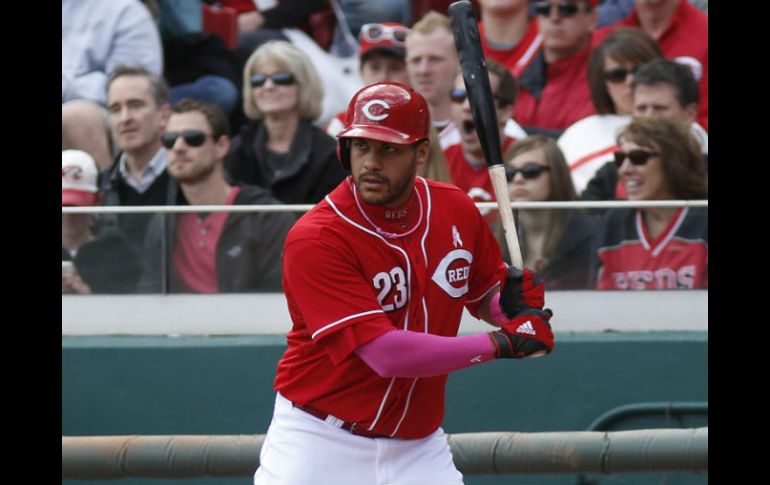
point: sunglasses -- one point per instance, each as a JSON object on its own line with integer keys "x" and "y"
{"x": 193, "y": 138}
{"x": 459, "y": 96}
{"x": 530, "y": 171}
{"x": 543, "y": 9}
{"x": 618, "y": 75}
{"x": 379, "y": 32}
{"x": 637, "y": 157}
{"x": 278, "y": 78}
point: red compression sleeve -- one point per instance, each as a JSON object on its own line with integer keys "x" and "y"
{"x": 403, "y": 353}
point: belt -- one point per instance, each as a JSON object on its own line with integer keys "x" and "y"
{"x": 335, "y": 421}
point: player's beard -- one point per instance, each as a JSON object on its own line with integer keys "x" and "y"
{"x": 396, "y": 189}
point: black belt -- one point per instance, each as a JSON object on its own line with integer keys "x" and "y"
{"x": 335, "y": 421}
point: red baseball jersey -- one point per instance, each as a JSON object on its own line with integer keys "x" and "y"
{"x": 632, "y": 260}
{"x": 346, "y": 284}
{"x": 685, "y": 39}
{"x": 519, "y": 57}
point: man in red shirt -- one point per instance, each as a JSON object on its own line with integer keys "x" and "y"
{"x": 376, "y": 278}
{"x": 682, "y": 32}
{"x": 210, "y": 252}
{"x": 462, "y": 149}
{"x": 554, "y": 87}
{"x": 508, "y": 34}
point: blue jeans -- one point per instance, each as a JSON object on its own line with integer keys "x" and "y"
{"x": 213, "y": 89}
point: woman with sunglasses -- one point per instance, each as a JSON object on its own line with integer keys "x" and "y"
{"x": 280, "y": 148}
{"x": 588, "y": 144}
{"x": 656, "y": 247}
{"x": 555, "y": 243}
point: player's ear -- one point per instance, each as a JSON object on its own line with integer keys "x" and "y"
{"x": 422, "y": 152}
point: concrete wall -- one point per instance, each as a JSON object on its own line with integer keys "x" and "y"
{"x": 223, "y": 385}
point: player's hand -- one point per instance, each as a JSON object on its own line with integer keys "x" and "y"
{"x": 527, "y": 335}
{"x": 521, "y": 291}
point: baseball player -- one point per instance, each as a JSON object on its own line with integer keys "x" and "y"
{"x": 376, "y": 277}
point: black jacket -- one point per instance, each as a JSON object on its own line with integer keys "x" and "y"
{"x": 569, "y": 267}
{"x": 133, "y": 226}
{"x": 312, "y": 172}
{"x": 249, "y": 249}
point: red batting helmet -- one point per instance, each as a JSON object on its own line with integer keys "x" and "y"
{"x": 389, "y": 112}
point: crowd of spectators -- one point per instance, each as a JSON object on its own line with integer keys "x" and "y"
{"x": 596, "y": 100}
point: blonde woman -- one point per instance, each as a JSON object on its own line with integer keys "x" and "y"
{"x": 555, "y": 243}
{"x": 280, "y": 148}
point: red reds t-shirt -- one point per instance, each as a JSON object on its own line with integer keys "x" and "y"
{"x": 519, "y": 57}
{"x": 685, "y": 39}
{"x": 631, "y": 259}
{"x": 346, "y": 284}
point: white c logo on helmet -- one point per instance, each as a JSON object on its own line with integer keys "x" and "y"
{"x": 371, "y": 103}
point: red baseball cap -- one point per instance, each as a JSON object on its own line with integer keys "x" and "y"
{"x": 383, "y": 37}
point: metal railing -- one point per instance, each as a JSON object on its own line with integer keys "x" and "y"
{"x": 498, "y": 453}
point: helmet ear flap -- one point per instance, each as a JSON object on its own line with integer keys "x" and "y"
{"x": 343, "y": 152}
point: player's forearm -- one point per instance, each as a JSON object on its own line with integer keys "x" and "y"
{"x": 489, "y": 309}
{"x": 403, "y": 353}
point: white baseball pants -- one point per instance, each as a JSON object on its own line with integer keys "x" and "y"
{"x": 300, "y": 449}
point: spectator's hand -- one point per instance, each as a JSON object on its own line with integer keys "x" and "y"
{"x": 521, "y": 291}
{"x": 249, "y": 21}
{"x": 527, "y": 335}
{"x": 73, "y": 284}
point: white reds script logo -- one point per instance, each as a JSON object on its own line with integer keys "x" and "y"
{"x": 452, "y": 272}
{"x": 367, "y": 110}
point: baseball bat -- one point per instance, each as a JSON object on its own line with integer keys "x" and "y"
{"x": 474, "y": 69}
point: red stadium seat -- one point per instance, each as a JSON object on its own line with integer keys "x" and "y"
{"x": 221, "y": 21}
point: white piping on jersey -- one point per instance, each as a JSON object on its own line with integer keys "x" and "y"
{"x": 409, "y": 283}
{"x": 406, "y": 407}
{"x": 497, "y": 283}
{"x": 669, "y": 235}
{"x": 342, "y": 320}
{"x": 368, "y": 231}
{"x": 422, "y": 244}
{"x": 382, "y": 404}
{"x": 531, "y": 50}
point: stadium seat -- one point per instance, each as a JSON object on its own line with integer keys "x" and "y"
{"x": 221, "y": 21}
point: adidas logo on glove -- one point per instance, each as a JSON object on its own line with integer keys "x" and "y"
{"x": 526, "y": 327}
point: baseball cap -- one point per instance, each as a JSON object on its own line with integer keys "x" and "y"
{"x": 78, "y": 178}
{"x": 383, "y": 37}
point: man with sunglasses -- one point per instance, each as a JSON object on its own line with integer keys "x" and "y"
{"x": 554, "y": 87}
{"x": 460, "y": 143}
{"x": 382, "y": 57}
{"x": 210, "y": 252}
{"x": 376, "y": 278}
{"x": 660, "y": 87}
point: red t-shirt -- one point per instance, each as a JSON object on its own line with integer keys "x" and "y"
{"x": 632, "y": 260}
{"x": 346, "y": 284}
{"x": 519, "y": 57}
{"x": 195, "y": 251}
{"x": 565, "y": 98}
{"x": 684, "y": 39}
{"x": 474, "y": 181}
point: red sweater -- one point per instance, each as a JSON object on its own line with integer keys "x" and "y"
{"x": 557, "y": 99}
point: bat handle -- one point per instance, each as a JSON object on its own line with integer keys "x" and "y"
{"x": 500, "y": 186}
